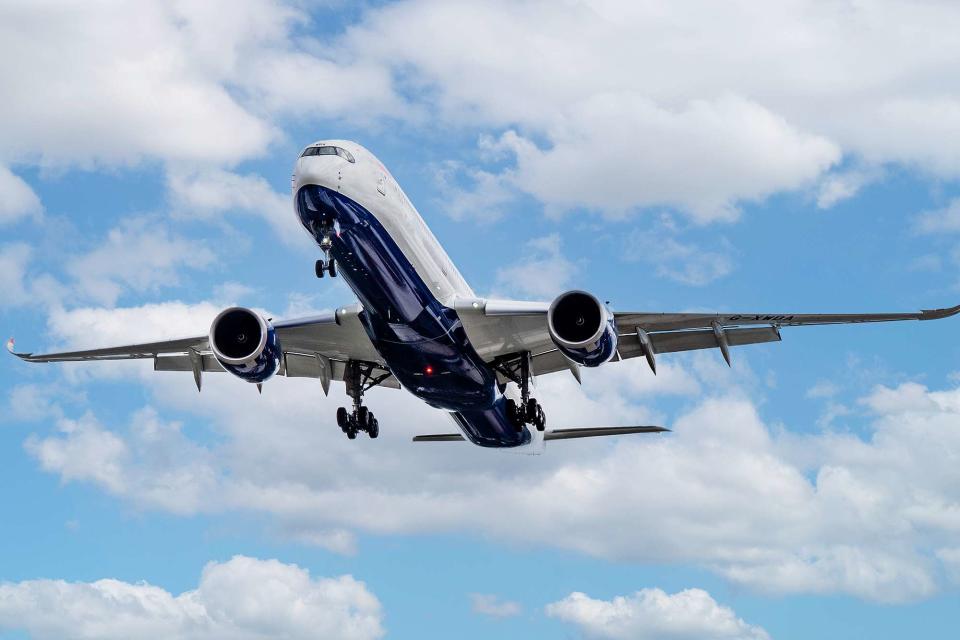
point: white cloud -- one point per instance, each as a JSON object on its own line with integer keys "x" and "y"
{"x": 944, "y": 220}
{"x": 17, "y": 199}
{"x": 686, "y": 263}
{"x": 215, "y": 192}
{"x": 14, "y": 259}
{"x": 138, "y": 255}
{"x": 242, "y": 599}
{"x": 484, "y": 198}
{"x": 652, "y": 614}
{"x": 543, "y": 273}
{"x": 132, "y": 87}
{"x": 685, "y": 105}
{"x": 843, "y": 185}
{"x": 493, "y": 606}
{"x": 703, "y": 157}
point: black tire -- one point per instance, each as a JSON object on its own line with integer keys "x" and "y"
{"x": 319, "y": 268}
{"x": 531, "y": 410}
{"x": 513, "y": 414}
{"x": 541, "y": 419}
{"x": 374, "y": 429}
{"x": 343, "y": 418}
{"x": 333, "y": 268}
{"x": 363, "y": 418}
{"x": 352, "y": 434}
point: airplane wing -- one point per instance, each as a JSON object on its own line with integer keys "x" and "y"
{"x": 313, "y": 347}
{"x": 501, "y": 328}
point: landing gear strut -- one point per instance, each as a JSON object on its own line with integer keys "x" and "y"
{"x": 328, "y": 264}
{"x": 359, "y": 377}
{"x": 528, "y": 411}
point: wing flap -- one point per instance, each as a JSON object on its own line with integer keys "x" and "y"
{"x": 630, "y": 345}
{"x": 183, "y": 363}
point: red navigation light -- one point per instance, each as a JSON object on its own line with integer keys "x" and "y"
{"x": 428, "y": 370}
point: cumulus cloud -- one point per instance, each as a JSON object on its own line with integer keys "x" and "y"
{"x": 672, "y": 258}
{"x": 243, "y": 598}
{"x": 472, "y": 194}
{"x": 493, "y": 606}
{"x": 212, "y": 193}
{"x": 17, "y": 199}
{"x": 943, "y": 220}
{"x": 703, "y": 157}
{"x": 652, "y": 614}
{"x": 843, "y": 185}
{"x": 139, "y": 255}
{"x": 685, "y": 105}
{"x": 543, "y": 273}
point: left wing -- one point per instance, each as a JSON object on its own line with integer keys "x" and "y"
{"x": 501, "y": 328}
{"x": 313, "y": 347}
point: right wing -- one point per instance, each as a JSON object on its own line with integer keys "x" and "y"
{"x": 313, "y": 347}
{"x": 505, "y": 328}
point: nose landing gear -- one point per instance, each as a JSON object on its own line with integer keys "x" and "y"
{"x": 328, "y": 264}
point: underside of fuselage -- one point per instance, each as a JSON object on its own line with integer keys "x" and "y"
{"x": 422, "y": 342}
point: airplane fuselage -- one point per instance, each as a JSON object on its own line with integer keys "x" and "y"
{"x": 406, "y": 284}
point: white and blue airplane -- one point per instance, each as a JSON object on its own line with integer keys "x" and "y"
{"x": 418, "y": 324}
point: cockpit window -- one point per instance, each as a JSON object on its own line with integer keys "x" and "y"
{"x": 328, "y": 151}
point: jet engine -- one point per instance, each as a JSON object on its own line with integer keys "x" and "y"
{"x": 246, "y": 344}
{"x": 582, "y": 328}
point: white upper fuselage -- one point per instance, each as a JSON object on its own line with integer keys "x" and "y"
{"x": 368, "y": 182}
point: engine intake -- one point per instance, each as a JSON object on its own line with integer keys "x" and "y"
{"x": 245, "y": 344}
{"x": 582, "y": 328}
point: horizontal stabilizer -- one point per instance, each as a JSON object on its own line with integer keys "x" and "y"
{"x": 556, "y": 434}
{"x": 591, "y": 432}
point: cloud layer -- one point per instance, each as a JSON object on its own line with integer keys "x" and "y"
{"x": 767, "y": 509}
{"x": 243, "y": 599}
{"x": 652, "y": 614}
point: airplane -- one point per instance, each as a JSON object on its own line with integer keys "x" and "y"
{"x": 418, "y": 325}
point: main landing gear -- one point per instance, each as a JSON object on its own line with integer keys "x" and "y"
{"x": 528, "y": 411}
{"x": 359, "y": 376}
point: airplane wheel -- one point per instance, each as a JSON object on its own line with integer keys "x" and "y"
{"x": 352, "y": 434}
{"x": 374, "y": 429}
{"x": 343, "y": 419}
{"x": 319, "y": 268}
{"x": 541, "y": 419}
{"x": 333, "y": 268}
{"x": 363, "y": 418}
{"x": 531, "y": 410}
{"x": 513, "y": 414}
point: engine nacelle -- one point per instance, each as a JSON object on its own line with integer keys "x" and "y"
{"x": 246, "y": 344}
{"x": 582, "y": 328}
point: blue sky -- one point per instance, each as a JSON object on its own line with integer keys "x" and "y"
{"x": 786, "y": 158}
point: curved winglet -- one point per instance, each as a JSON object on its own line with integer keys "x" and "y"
{"x": 12, "y": 350}
{"x": 937, "y": 314}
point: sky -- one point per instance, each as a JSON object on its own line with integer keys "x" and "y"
{"x": 780, "y": 157}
